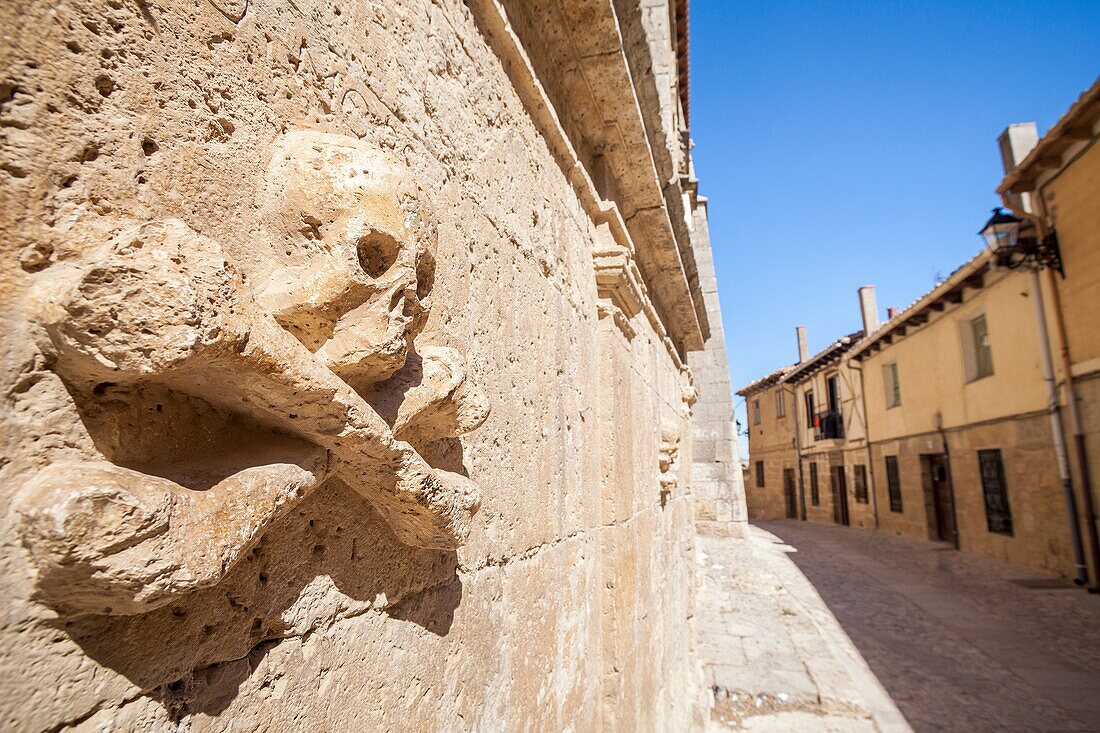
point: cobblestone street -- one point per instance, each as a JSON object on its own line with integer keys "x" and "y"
{"x": 960, "y": 643}
{"x": 775, "y": 659}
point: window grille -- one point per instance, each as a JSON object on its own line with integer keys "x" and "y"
{"x": 893, "y": 482}
{"x": 998, "y": 514}
{"x": 815, "y": 497}
{"x": 859, "y": 480}
{"x": 760, "y": 474}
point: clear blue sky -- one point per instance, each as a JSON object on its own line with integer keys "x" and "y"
{"x": 852, "y": 143}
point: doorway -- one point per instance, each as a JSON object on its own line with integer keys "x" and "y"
{"x": 839, "y": 485}
{"x": 938, "y": 498}
{"x": 789, "y": 493}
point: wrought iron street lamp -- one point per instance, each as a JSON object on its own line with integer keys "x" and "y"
{"x": 1011, "y": 248}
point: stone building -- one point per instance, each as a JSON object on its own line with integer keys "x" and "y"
{"x": 808, "y": 435}
{"x": 351, "y": 356}
{"x": 1055, "y": 187}
{"x": 831, "y": 433}
{"x": 937, "y": 424}
{"x": 960, "y": 438}
{"x": 772, "y": 487}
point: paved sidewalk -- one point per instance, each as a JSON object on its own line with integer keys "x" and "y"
{"x": 774, "y": 656}
{"x": 961, "y": 643}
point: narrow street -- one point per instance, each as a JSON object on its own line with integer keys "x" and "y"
{"x": 960, "y": 643}
{"x": 774, "y": 657}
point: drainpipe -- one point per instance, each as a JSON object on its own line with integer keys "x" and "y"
{"x": 1074, "y": 409}
{"x": 1072, "y": 404}
{"x": 1071, "y": 393}
{"x": 1055, "y": 411}
{"x": 938, "y": 419}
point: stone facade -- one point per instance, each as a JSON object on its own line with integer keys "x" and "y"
{"x": 348, "y": 376}
{"x": 969, "y": 448}
{"x": 909, "y": 395}
{"x": 716, "y": 471}
{"x": 769, "y": 491}
{"x": 1059, "y": 180}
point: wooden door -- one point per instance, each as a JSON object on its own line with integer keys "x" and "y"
{"x": 941, "y": 498}
{"x": 839, "y": 485}
{"x": 789, "y": 493}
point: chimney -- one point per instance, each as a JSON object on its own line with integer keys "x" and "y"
{"x": 1016, "y": 142}
{"x": 868, "y": 308}
{"x": 891, "y": 313}
{"x": 803, "y": 352}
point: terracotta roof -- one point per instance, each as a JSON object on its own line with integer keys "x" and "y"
{"x": 970, "y": 274}
{"x": 1076, "y": 124}
{"x": 823, "y": 358}
{"x": 765, "y": 382}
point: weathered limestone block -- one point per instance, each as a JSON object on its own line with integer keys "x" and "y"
{"x": 376, "y": 191}
{"x": 157, "y": 306}
{"x": 358, "y": 261}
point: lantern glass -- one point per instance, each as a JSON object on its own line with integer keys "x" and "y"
{"x": 1001, "y": 232}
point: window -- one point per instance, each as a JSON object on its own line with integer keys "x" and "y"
{"x": 893, "y": 482}
{"x": 977, "y": 352}
{"x": 893, "y": 386}
{"x": 832, "y": 390}
{"x": 998, "y": 515}
{"x": 760, "y": 474}
{"x": 815, "y": 498}
{"x": 810, "y": 412}
{"x": 859, "y": 479}
{"x": 780, "y": 404}
{"x": 756, "y": 412}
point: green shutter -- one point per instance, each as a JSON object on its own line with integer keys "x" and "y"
{"x": 983, "y": 352}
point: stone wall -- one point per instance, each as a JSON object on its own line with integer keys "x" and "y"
{"x": 716, "y": 470}
{"x": 1040, "y": 538}
{"x": 316, "y": 417}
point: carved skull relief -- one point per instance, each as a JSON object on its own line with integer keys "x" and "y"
{"x": 357, "y": 245}
{"x": 266, "y": 379}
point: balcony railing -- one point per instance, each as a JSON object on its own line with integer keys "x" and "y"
{"x": 830, "y": 426}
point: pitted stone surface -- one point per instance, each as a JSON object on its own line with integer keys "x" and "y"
{"x": 311, "y": 420}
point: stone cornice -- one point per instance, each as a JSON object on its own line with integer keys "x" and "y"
{"x": 606, "y": 101}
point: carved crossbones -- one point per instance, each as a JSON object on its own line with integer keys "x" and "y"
{"x": 160, "y": 305}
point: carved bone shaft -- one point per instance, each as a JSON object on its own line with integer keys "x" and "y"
{"x": 163, "y": 306}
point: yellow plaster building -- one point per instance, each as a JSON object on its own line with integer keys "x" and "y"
{"x": 1056, "y": 189}
{"x": 771, "y": 484}
{"x": 940, "y": 424}
{"x": 959, "y": 434}
{"x": 831, "y": 435}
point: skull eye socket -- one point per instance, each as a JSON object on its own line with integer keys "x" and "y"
{"x": 377, "y": 253}
{"x": 425, "y": 275}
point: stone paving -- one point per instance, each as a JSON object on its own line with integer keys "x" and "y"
{"x": 775, "y": 659}
{"x": 959, "y": 642}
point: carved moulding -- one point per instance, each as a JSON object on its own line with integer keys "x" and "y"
{"x": 269, "y": 371}
{"x": 622, "y": 293}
